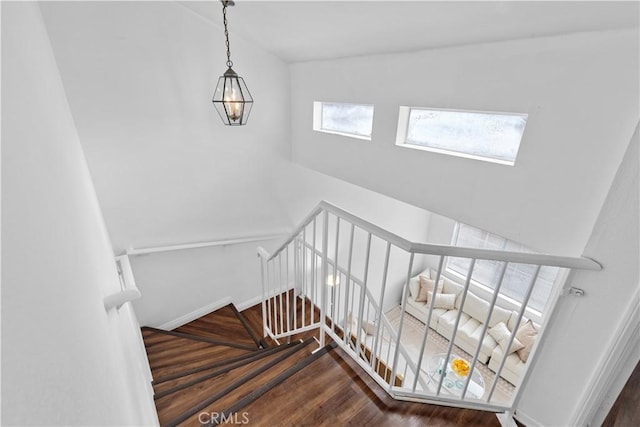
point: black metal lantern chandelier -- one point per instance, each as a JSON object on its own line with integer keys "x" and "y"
{"x": 231, "y": 98}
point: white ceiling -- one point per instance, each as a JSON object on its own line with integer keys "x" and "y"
{"x": 298, "y": 31}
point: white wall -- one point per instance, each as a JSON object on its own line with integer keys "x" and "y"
{"x": 174, "y": 284}
{"x": 140, "y": 77}
{"x": 167, "y": 170}
{"x": 581, "y": 94}
{"x": 63, "y": 357}
{"x": 300, "y": 189}
{"x": 586, "y": 327}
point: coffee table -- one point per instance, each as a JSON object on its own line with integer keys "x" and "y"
{"x": 452, "y": 382}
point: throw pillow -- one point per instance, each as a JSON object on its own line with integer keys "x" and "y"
{"x": 527, "y": 334}
{"x": 502, "y": 335}
{"x": 414, "y": 282}
{"x": 446, "y": 301}
{"x": 426, "y": 286}
{"x": 511, "y": 324}
{"x": 354, "y": 330}
{"x": 414, "y": 287}
{"x": 368, "y": 327}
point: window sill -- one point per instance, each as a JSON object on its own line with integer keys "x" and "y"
{"x": 349, "y": 135}
{"x": 454, "y": 153}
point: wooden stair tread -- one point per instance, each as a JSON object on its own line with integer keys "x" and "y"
{"x": 221, "y": 324}
{"x": 219, "y": 368}
{"x": 255, "y": 337}
{"x": 168, "y": 342}
{"x": 192, "y": 358}
{"x": 214, "y": 365}
{"x": 191, "y": 352}
{"x": 152, "y": 338}
{"x": 253, "y": 316}
{"x": 195, "y": 337}
{"x": 174, "y": 346}
{"x": 225, "y": 388}
{"x": 230, "y": 412}
{"x": 264, "y": 378}
{"x": 208, "y": 366}
{"x": 349, "y": 397}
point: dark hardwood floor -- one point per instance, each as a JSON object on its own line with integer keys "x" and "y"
{"x": 335, "y": 391}
{"x": 222, "y": 324}
{"x": 235, "y": 376}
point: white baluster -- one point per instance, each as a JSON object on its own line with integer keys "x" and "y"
{"x": 457, "y": 323}
{"x": 405, "y": 294}
{"x": 426, "y": 329}
{"x": 325, "y": 270}
{"x": 494, "y": 299}
{"x": 347, "y": 327}
{"x": 381, "y": 300}
{"x": 525, "y": 301}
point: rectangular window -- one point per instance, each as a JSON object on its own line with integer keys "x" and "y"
{"x": 487, "y": 273}
{"x": 492, "y": 137}
{"x": 354, "y": 120}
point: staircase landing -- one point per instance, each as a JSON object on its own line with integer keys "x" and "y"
{"x": 217, "y": 370}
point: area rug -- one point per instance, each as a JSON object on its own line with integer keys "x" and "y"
{"x": 412, "y": 333}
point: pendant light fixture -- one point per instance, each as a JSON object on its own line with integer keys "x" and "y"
{"x": 231, "y": 98}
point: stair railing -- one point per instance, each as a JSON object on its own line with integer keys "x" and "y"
{"x": 323, "y": 277}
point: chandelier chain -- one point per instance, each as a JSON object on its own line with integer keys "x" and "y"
{"x": 226, "y": 34}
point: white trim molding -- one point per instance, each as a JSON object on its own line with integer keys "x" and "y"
{"x": 249, "y": 303}
{"x": 613, "y": 370}
{"x": 199, "y": 312}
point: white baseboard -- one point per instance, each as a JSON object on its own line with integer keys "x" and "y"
{"x": 258, "y": 298}
{"x": 249, "y": 303}
{"x": 605, "y": 385}
{"x": 176, "y": 323}
{"x": 199, "y": 312}
{"x": 526, "y": 419}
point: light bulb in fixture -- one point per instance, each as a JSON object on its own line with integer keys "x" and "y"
{"x": 232, "y": 99}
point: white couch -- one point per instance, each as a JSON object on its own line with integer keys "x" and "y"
{"x": 474, "y": 314}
